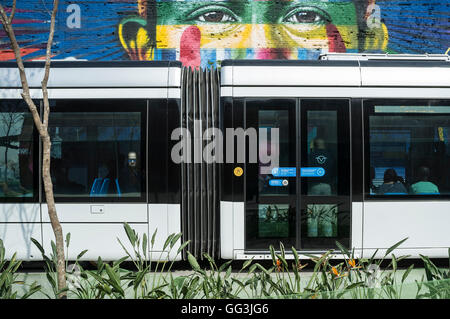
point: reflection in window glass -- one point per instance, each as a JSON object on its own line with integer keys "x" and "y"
{"x": 409, "y": 153}
{"x": 269, "y": 119}
{"x": 270, "y": 224}
{"x": 321, "y": 220}
{"x": 322, "y": 151}
{"x": 16, "y": 150}
{"x": 273, "y": 221}
{"x": 96, "y": 154}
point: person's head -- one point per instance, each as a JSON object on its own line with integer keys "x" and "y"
{"x": 199, "y": 32}
{"x": 390, "y": 176}
{"x": 423, "y": 173}
{"x": 132, "y": 159}
{"x": 319, "y": 144}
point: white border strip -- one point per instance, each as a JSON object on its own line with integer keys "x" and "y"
{"x": 98, "y": 93}
{"x": 344, "y": 92}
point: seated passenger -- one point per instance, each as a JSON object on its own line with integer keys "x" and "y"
{"x": 373, "y": 188}
{"x": 423, "y": 186}
{"x": 392, "y": 183}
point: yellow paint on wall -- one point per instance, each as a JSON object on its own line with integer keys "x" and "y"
{"x": 241, "y": 36}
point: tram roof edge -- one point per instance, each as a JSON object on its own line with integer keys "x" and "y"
{"x": 383, "y": 57}
{"x": 89, "y": 74}
{"x": 286, "y": 63}
{"x": 93, "y": 64}
{"x": 341, "y": 63}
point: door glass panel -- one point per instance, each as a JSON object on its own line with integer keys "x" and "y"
{"x": 268, "y": 144}
{"x": 325, "y": 174}
{"x": 322, "y": 152}
{"x": 270, "y": 206}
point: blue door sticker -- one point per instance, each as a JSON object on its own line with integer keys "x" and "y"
{"x": 312, "y": 171}
{"x": 284, "y": 171}
{"x": 304, "y": 172}
{"x": 278, "y": 182}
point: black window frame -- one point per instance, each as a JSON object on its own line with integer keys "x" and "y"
{"x": 369, "y": 110}
{"x": 106, "y": 106}
{"x": 36, "y": 157}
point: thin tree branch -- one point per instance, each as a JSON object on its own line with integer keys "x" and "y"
{"x": 48, "y": 54}
{"x": 13, "y": 12}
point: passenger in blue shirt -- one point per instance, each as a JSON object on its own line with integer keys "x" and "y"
{"x": 392, "y": 184}
{"x": 423, "y": 186}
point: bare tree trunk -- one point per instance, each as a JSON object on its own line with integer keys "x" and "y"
{"x": 42, "y": 127}
{"x": 56, "y": 225}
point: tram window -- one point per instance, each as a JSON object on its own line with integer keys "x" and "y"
{"x": 409, "y": 148}
{"x": 97, "y": 154}
{"x": 16, "y": 150}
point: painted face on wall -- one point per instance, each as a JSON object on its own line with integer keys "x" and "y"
{"x": 199, "y": 33}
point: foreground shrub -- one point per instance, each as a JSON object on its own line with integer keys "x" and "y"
{"x": 348, "y": 278}
{"x": 9, "y": 277}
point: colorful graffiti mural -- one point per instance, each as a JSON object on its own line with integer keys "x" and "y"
{"x": 205, "y": 32}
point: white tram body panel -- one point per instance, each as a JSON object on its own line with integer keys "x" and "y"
{"x": 94, "y": 224}
{"x": 376, "y": 222}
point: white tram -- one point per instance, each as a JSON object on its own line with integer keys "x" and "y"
{"x": 350, "y": 148}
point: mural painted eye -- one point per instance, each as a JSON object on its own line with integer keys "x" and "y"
{"x": 306, "y": 16}
{"x": 215, "y": 17}
{"x": 213, "y": 14}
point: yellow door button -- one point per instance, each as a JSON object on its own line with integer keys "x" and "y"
{"x": 238, "y": 171}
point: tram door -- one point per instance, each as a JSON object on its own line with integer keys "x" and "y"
{"x": 297, "y": 191}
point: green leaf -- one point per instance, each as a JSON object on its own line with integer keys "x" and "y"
{"x": 228, "y": 273}
{"x": 225, "y": 265}
{"x": 114, "y": 279}
{"x": 282, "y": 249}
{"x": 343, "y": 249}
{"x": 100, "y": 264}
{"x": 168, "y": 240}
{"x": 174, "y": 240}
{"x": 193, "y": 262}
{"x": 247, "y": 263}
{"x": 354, "y": 285}
{"x": 140, "y": 276}
{"x": 67, "y": 240}
{"x": 33, "y": 289}
{"x": 117, "y": 263}
{"x": 144, "y": 244}
{"x": 295, "y": 253}
{"x": 153, "y": 237}
{"x": 178, "y": 281}
{"x": 394, "y": 263}
{"x": 272, "y": 253}
{"x": 38, "y": 245}
{"x": 130, "y": 234}
{"x": 183, "y": 245}
{"x": 82, "y": 254}
{"x": 391, "y": 249}
{"x": 405, "y": 275}
{"x": 283, "y": 261}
